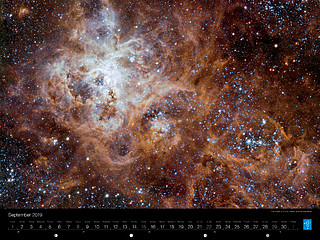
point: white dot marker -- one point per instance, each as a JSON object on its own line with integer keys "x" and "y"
{"x": 131, "y": 235}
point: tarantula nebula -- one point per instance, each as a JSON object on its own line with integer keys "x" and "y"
{"x": 160, "y": 104}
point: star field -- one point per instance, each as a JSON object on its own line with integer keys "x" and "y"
{"x": 160, "y": 104}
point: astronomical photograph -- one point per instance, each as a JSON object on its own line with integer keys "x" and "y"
{"x": 133, "y": 104}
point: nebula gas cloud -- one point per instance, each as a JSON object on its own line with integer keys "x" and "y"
{"x": 160, "y": 104}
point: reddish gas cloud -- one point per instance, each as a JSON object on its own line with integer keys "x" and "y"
{"x": 166, "y": 105}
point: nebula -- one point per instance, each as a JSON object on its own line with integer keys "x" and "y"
{"x": 160, "y": 104}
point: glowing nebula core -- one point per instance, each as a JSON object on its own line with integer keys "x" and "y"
{"x": 160, "y": 104}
